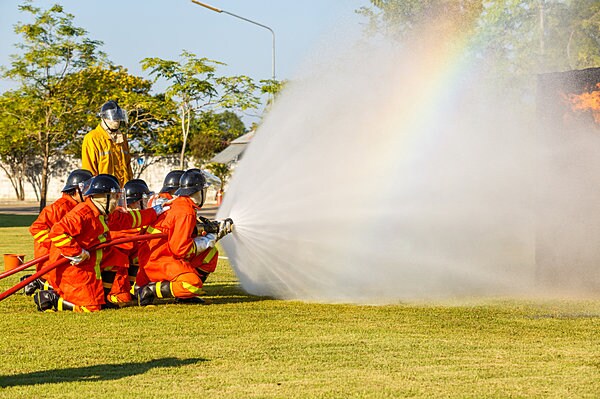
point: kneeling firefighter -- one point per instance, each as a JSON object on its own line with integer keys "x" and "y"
{"x": 78, "y": 286}
{"x": 177, "y": 266}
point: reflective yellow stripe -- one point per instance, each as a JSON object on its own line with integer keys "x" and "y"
{"x": 137, "y": 218}
{"x": 210, "y": 255}
{"x": 60, "y": 237}
{"x": 158, "y": 293}
{"x": 192, "y": 288}
{"x": 106, "y": 285}
{"x": 84, "y": 309}
{"x": 43, "y": 238}
{"x": 101, "y": 217}
{"x": 192, "y": 251}
{"x": 47, "y": 285}
{"x": 152, "y": 230}
{"x": 64, "y": 242}
{"x": 41, "y": 233}
{"x": 60, "y": 304}
{"x": 97, "y": 265}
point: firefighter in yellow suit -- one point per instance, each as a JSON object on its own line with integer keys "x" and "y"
{"x": 105, "y": 149}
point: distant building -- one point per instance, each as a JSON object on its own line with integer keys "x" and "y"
{"x": 234, "y": 152}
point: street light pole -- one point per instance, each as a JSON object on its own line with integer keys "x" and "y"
{"x": 215, "y": 9}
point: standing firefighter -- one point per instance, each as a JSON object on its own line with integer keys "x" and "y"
{"x": 50, "y": 215}
{"x": 79, "y": 285}
{"x": 105, "y": 149}
{"x": 177, "y": 266}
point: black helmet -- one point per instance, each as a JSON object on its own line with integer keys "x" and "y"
{"x": 171, "y": 181}
{"x": 110, "y": 110}
{"x": 135, "y": 190}
{"x": 103, "y": 184}
{"x": 191, "y": 182}
{"x": 75, "y": 178}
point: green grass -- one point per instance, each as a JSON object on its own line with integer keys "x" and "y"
{"x": 10, "y": 220}
{"x": 242, "y": 346}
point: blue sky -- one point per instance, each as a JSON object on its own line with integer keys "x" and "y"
{"x": 134, "y": 29}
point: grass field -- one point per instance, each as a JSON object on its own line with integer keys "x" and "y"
{"x": 242, "y": 346}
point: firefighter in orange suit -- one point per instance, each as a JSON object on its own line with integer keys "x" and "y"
{"x": 177, "y": 266}
{"x": 78, "y": 286}
{"x": 170, "y": 185}
{"x": 137, "y": 194}
{"x": 105, "y": 149}
{"x": 39, "y": 229}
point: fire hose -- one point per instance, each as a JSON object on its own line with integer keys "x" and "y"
{"x": 204, "y": 224}
{"x": 24, "y": 266}
{"x": 63, "y": 261}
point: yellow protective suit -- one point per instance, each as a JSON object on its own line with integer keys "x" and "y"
{"x": 101, "y": 154}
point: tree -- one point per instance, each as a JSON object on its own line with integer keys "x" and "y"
{"x": 151, "y": 119}
{"x": 194, "y": 85}
{"x": 222, "y": 171}
{"x": 52, "y": 49}
{"x": 214, "y": 132}
{"x": 514, "y": 38}
{"x": 16, "y": 150}
{"x": 405, "y": 20}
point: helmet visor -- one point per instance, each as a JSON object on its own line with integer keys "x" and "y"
{"x": 114, "y": 114}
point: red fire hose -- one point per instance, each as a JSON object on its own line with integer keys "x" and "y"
{"x": 24, "y": 266}
{"x": 60, "y": 262}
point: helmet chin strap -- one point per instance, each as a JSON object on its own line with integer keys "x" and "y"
{"x": 111, "y": 130}
{"x": 198, "y": 198}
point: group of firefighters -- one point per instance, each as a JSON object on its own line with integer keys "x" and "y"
{"x": 94, "y": 209}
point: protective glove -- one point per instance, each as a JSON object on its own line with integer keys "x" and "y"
{"x": 160, "y": 208}
{"x": 160, "y": 201}
{"x": 206, "y": 225}
{"x": 204, "y": 242}
{"x": 225, "y": 227}
{"x": 75, "y": 260}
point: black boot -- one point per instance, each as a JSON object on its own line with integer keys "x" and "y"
{"x": 46, "y": 300}
{"x": 149, "y": 292}
{"x": 32, "y": 287}
{"x": 203, "y": 275}
{"x": 64, "y": 306}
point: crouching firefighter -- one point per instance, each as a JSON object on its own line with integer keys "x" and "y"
{"x": 71, "y": 196}
{"x": 177, "y": 266}
{"x": 78, "y": 285}
{"x": 137, "y": 195}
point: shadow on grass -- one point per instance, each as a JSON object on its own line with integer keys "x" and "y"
{"x": 100, "y": 372}
{"x": 229, "y": 292}
{"x": 11, "y": 220}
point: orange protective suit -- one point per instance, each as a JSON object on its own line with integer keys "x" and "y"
{"x": 83, "y": 228}
{"x": 130, "y": 248}
{"x": 174, "y": 258}
{"x": 40, "y": 228}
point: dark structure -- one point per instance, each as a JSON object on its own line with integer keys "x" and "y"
{"x": 567, "y": 199}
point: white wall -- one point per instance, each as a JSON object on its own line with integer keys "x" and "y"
{"x": 153, "y": 176}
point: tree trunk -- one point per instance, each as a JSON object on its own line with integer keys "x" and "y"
{"x": 44, "y": 178}
{"x": 185, "y": 115}
{"x": 16, "y": 180}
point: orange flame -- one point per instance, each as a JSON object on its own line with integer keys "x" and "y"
{"x": 585, "y": 102}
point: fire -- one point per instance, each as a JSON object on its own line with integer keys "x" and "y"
{"x": 588, "y": 101}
